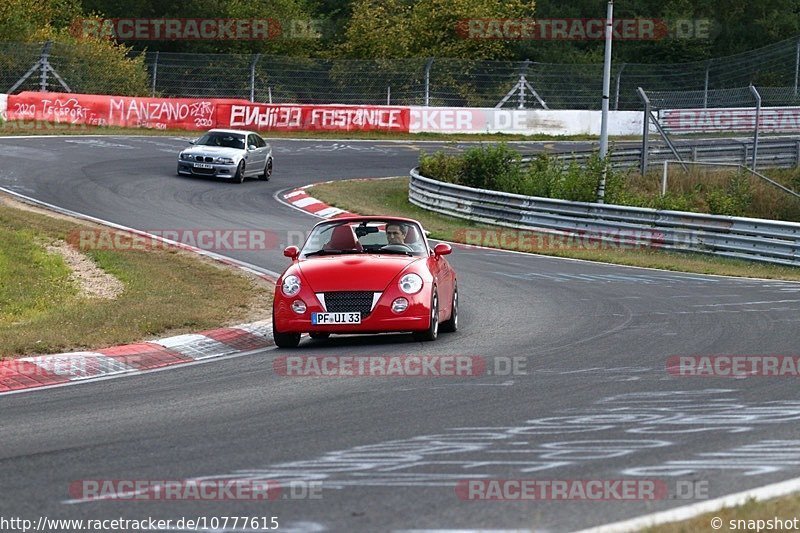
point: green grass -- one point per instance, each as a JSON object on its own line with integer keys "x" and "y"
{"x": 390, "y": 197}
{"x": 166, "y": 292}
{"x": 31, "y": 280}
{"x": 784, "y": 508}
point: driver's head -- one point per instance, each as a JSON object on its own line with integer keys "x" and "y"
{"x": 396, "y": 233}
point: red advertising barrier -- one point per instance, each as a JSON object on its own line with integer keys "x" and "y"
{"x": 200, "y": 114}
{"x": 105, "y": 110}
{"x": 313, "y": 118}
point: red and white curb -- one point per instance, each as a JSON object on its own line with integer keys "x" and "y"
{"x": 303, "y": 201}
{"x": 58, "y": 369}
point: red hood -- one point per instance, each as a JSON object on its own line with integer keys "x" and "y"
{"x": 353, "y": 272}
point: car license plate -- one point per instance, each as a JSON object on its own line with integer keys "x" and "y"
{"x": 335, "y": 318}
{"x": 203, "y": 165}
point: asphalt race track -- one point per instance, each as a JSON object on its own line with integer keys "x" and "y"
{"x": 595, "y": 402}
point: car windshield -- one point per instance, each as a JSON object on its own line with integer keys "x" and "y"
{"x": 225, "y": 140}
{"x": 366, "y": 236}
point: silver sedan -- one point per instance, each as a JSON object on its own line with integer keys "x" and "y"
{"x": 229, "y": 154}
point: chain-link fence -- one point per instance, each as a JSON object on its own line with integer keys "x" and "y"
{"x": 435, "y": 82}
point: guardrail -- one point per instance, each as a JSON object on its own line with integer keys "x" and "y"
{"x": 737, "y": 237}
{"x": 776, "y": 153}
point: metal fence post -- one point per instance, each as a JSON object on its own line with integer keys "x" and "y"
{"x": 645, "y": 130}
{"x": 389, "y": 95}
{"x": 758, "y": 115}
{"x": 616, "y": 92}
{"x": 428, "y": 66}
{"x": 797, "y": 154}
{"x": 44, "y": 63}
{"x": 796, "y": 66}
{"x": 253, "y": 77}
{"x": 155, "y": 74}
{"x": 705, "y": 87}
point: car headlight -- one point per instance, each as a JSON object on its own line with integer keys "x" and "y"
{"x": 225, "y": 160}
{"x": 184, "y": 156}
{"x": 291, "y": 285}
{"x": 411, "y": 284}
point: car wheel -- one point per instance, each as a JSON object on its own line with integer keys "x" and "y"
{"x": 267, "y": 170}
{"x": 432, "y": 332}
{"x": 239, "y": 176}
{"x": 451, "y": 324}
{"x": 286, "y": 340}
{"x": 319, "y": 336}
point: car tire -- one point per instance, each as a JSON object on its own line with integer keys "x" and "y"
{"x": 267, "y": 170}
{"x": 451, "y": 324}
{"x": 319, "y": 336}
{"x": 239, "y": 176}
{"x": 432, "y": 332}
{"x": 286, "y": 340}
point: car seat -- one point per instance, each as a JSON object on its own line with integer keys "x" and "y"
{"x": 412, "y": 236}
{"x": 343, "y": 238}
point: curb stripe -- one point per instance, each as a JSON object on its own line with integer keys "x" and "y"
{"x": 305, "y": 202}
{"x": 238, "y": 338}
{"x": 144, "y": 356}
{"x": 16, "y": 375}
{"x": 302, "y": 200}
{"x": 79, "y": 365}
{"x": 196, "y": 346}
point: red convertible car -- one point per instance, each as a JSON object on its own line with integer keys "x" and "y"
{"x": 365, "y": 275}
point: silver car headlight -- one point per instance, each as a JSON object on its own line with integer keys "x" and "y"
{"x": 291, "y": 285}
{"x": 185, "y": 157}
{"x": 224, "y": 160}
{"x": 411, "y": 284}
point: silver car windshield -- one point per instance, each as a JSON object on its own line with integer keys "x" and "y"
{"x": 373, "y": 236}
{"x": 225, "y": 140}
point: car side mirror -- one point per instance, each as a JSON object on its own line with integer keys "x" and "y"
{"x": 292, "y": 251}
{"x": 252, "y": 147}
{"x": 192, "y": 141}
{"x": 442, "y": 249}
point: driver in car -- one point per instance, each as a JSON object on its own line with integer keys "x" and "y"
{"x": 396, "y": 233}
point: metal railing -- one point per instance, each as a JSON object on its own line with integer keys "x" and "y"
{"x": 736, "y": 237}
{"x": 776, "y": 153}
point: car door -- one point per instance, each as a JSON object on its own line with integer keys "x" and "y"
{"x": 265, "y": 146}
{"x": 255, "y": 156}
{"x": 443, "y": 276}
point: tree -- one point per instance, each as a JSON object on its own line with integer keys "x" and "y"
{"x": 383, "y": 29}
{"x": 87, "y": 65}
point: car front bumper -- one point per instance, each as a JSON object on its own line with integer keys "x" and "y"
{"x": 217, "y": 170}
{"x": 380, "y": 320}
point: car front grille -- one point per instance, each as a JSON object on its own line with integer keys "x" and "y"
{"x": 208, "y": 171}
{"x": 349, "y": 301}
{"x": 203, "y": 159}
